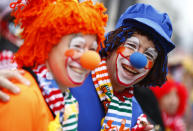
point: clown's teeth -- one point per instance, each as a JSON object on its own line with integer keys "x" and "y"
{"x": 75, "y": 64}
{"x": 129, "y": 69}
{"x": 77, "y": 70}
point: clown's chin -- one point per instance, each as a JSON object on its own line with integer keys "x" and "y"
{"x": 76, "y": 75}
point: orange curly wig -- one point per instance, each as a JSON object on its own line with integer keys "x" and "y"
{"x": 45, "y": 22}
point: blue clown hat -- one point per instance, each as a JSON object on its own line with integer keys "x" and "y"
{"x": 146, "y": 15}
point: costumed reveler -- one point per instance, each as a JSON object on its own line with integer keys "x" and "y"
{"x": 172, "y": 98}
{"x": 135, "y": 56}
{"x": 61, "y": 38}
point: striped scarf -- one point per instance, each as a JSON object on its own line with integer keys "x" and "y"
{"x": 57, "y": 102}
{"x": 118, "y": 113}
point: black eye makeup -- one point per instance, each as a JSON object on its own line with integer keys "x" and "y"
{"x": 151, "y": 53}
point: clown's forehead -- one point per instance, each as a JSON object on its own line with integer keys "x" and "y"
{"x": 133, "y": 39}
{"x": 78, "y": 38}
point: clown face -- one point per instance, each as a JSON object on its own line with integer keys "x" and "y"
{"x": 67, "y": 69}
{"x": 121, "y": 71}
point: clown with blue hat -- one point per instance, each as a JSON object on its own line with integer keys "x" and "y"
{"x": 134, "y": 56}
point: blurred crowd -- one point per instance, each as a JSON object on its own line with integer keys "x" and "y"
{"x": 180, "y": 69}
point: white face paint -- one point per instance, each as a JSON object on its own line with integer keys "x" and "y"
{"x": 94, "y": 46}
{"x": 66, "y": 69}
{"x": 76, "y": 72}
{"x": 132, "y": 43}
{"x": 77, "y": 43}
{"x": 151, "y": 54}
{"x": 126, "y": 74}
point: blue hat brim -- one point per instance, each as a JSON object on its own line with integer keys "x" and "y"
{"x": 151, "y": 24}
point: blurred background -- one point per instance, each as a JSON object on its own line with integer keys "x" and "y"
{"x": 180, "y": 60}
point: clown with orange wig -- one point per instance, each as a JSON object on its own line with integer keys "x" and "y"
{"x": 61, "y": 38}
